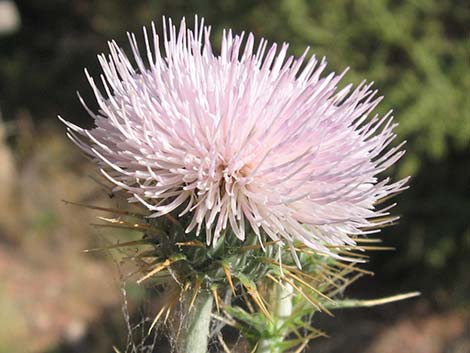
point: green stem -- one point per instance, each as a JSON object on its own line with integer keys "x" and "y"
{"x": 281, "y": 301}
{"x": 194, "y": 328}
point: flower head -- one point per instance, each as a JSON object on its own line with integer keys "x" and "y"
{"x": 250, "y": 139}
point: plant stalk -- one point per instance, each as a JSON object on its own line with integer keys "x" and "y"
{"x": 193, "y": 335}
{"x": 281, "y": 301}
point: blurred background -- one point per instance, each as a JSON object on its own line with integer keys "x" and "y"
{"x": 56, "y": 299}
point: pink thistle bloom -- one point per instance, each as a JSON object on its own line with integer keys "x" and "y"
{"x": 250, "y": 138}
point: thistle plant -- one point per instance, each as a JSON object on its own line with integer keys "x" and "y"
{"x": 258, "y": 181}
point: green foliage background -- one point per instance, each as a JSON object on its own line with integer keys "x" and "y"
{"x": 416, "y": 51}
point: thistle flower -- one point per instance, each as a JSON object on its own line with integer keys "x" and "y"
{"x": 250, "y": 140}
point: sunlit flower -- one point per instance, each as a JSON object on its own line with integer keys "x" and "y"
{"x": 250, "y": 140}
